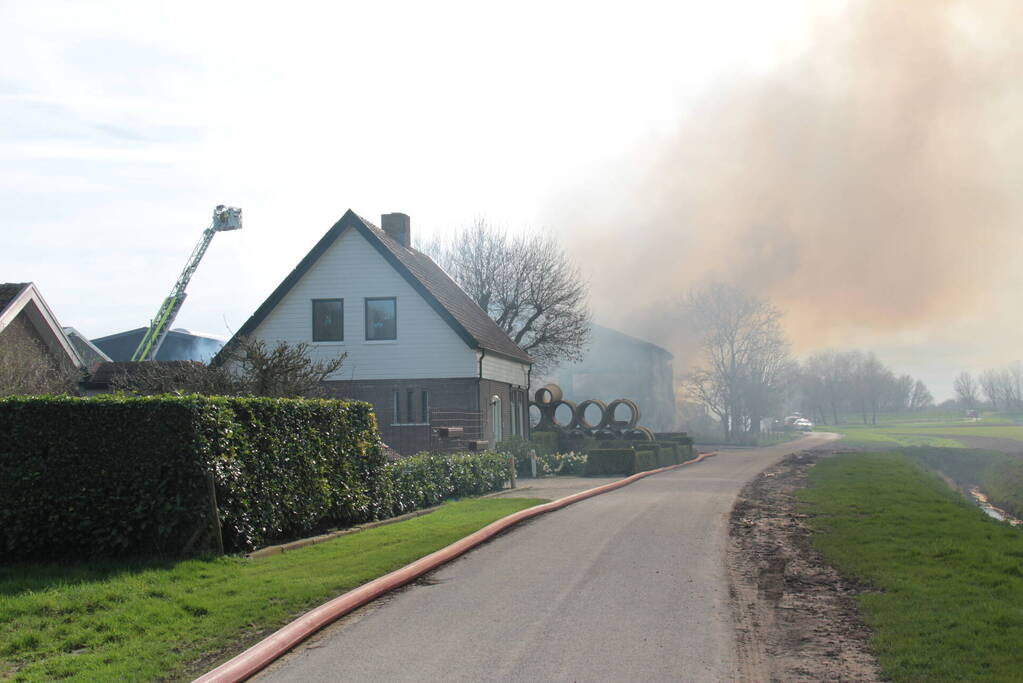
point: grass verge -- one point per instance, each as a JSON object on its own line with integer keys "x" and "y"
{"x": 950, "y": 600}
{"x": 167, "y": 621}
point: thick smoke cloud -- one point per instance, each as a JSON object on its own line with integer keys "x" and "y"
{"x": 872, "y": 186}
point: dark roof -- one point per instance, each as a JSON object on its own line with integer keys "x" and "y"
{"x": 88, "y": 352}
{"x": 628, "y": 338}
{"x": 177, "y": 345}
{"x": 8, "y": 292}
{"x": 464, "y": 316}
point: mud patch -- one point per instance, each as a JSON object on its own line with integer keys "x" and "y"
{"x": 796, "y": 617}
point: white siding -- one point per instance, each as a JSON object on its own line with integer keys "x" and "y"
{"x": 505, "y": 370}
{"x": 352, "y": 269}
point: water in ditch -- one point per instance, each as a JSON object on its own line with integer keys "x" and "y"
{"x": 992, "y": 511}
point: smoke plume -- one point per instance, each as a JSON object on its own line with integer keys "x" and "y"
{"x": 871, "y": 186}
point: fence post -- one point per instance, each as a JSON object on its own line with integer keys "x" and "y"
{"x": 532, "y": 461}
{"x": 218, "y": 535}
{"x": 511, "y": 469}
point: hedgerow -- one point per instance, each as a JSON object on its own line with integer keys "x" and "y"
{"x": 430, "y": 478}
{"x": 116, "y": 475}
{"x": 106, "y": 476}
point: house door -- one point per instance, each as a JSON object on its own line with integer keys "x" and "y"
{"x": 495, "y": 416}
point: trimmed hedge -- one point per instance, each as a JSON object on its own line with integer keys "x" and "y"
{"x": 646, "y": 459}
{"x": 604, "y": 461}
{"x": 545, "y": 442}
{"x": 115, "y": 475}
{"x": 296, "y": 466}
{"x": 428, "y": 479}
{"x": 667, "y": 454}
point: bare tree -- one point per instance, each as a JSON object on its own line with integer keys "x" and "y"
{"x": 832, "y": 371}
{"x": 966, "y": 390}
{"x": 744, "y": 355}
{"x": 526, "y": 284}
{"x": 248, "y": 367}
{"x": 990, "y": 382}
{"x": 27, "y": 368}
{"x": 280, "y": 370}
{"x": 921, "y": 397}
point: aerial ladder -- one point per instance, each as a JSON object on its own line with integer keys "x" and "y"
{"x": 225, "y": 219}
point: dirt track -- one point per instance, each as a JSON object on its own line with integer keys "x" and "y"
{"x": 796, "y": 618}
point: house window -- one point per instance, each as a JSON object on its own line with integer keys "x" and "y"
{"x": 396, "y": 407}
{"x": 410, "y": 409}
{"x": 424, "y": 407}
{"x": 381, "y": 319}
{"x": 328, "y": 320}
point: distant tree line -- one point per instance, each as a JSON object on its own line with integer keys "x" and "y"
{"x": 1000, "y": 389}
{"x": 744, "y": 371}
{"x": 832, "y": 384}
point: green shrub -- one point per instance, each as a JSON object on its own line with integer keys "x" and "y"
{"x": 301, "y": 466}
{"x": 545, "y": 443}
{"x": 117, "y": 475}
{"x": 646, "y": 459}
{"x": 678, "y": 437}
{"x": 428, "y": 479}
{"x": 605, "y": 461}
{"x": 106, "y": 476}
{"x": 667, "y": 453}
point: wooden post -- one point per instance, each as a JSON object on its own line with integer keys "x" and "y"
{"x": 532, "y": 462}
{"x": 214, "y": 514}
{"x": 511, "y": 469}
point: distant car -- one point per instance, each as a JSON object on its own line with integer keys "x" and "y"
{"x": 803, "y": 425}
{"x": 798, "y": 423}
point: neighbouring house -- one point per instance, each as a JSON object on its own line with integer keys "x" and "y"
{"x": 617, "y": 365}
{"x": 90, "y": 354}
{"x": 180, "y": 344}
{"x": 418, "y": 348}
{"x": 36, "y": 355}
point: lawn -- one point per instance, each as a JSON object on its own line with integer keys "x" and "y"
{"x": 939, "y": 433}
{"x": 948, "y": 604}
{"x": 173, "y": 620}
{"x": 893, "y": 436}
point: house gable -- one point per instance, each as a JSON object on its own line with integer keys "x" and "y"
{"x": 352, "y": 269}
{"x": 23, "y": 304}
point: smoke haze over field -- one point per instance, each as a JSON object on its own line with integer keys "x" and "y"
{"x": 871, "y": 188}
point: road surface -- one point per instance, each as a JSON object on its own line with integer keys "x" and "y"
{"x": 628, "y": 585}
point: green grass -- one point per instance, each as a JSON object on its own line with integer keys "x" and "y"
{"x": 888, "y": 436}
{"x": 938, "y": 433}
{"x": 949, "y": 604}
{"x": 169, "y": 621}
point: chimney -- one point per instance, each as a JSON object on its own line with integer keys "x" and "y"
{"x": 398, "y": 227}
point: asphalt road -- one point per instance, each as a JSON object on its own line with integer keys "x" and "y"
{"x": 629, "y": 585}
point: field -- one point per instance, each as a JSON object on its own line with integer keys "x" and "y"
{"x": 940, "y": 432}
{"x": 169, "y": 621}
{"x": 948, "y": 604}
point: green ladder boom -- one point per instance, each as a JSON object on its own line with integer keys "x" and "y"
{"x": 225, "y": 218}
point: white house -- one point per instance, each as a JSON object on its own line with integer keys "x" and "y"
{"x": 419, "y": 349}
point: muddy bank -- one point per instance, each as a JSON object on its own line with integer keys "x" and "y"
{"x": 796, "y": 617}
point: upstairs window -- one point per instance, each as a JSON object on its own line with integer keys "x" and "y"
{"x": 381, "y": 319}
{"x": 328, "y": 320}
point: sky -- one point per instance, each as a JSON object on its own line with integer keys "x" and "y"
{"x": 122, "y": 124}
